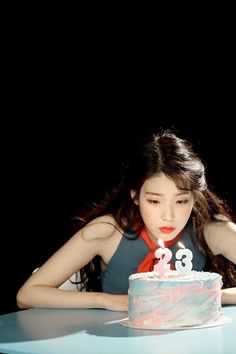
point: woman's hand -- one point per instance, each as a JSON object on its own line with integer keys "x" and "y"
{"x": 114, "y": 302}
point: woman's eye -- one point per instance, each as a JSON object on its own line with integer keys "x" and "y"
{"x": 185, "y": 201}
{"x": 154, "y": 201}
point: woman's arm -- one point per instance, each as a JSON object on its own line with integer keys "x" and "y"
{"x": 228, "y": 296}
{"x": 41, "y": 289}
{"x": 49, "y": 297}
{"x": 221, "y": 238}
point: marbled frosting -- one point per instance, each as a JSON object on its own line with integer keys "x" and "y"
{"x": 175, "y": 300}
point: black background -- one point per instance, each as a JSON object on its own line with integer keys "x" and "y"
{"x": 73, "y": 108}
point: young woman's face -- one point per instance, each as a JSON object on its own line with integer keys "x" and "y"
{"x": 165, "y": 209}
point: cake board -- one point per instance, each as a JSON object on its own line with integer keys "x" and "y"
{"x": 214, "y": 323}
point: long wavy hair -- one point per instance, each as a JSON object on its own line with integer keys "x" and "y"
{"x": 169, "y": 154}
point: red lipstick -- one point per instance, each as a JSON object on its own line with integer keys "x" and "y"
{"x": 166, "y": 229}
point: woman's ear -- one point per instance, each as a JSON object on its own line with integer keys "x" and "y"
{"x": 134, "y": 196}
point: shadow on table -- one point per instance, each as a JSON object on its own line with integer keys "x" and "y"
{"x": 38, "y": 324}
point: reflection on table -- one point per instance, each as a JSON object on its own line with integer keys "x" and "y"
{"x": 95, "y": 331}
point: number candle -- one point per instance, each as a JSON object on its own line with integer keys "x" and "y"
{"x": 184, "y": 265}
{"x": 164, "y": 254}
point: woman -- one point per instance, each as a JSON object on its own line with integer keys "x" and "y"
{"x": 163, "y": 195}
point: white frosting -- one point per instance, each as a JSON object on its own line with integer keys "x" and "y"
{"x": 174, "y": 275}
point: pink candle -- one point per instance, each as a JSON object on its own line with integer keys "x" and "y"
{"x": 164, "y": 254}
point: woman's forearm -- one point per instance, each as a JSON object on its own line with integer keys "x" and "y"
{"x": 228, "y": 296}
{"x": 48, "y": 297}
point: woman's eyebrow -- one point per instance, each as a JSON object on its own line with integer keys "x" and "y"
{"x": 186, "y": 192}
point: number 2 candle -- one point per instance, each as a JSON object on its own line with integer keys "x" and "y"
{"x": 164, "y": 254}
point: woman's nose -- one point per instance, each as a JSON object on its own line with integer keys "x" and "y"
{"x": 167, "y": 214}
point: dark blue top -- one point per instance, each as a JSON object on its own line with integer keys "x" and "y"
{"x": 131, "y": 252}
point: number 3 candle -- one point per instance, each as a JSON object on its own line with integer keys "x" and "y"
{"x": 184, "y": 263}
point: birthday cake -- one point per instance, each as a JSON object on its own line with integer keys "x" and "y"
{"x": 174, "y": 301}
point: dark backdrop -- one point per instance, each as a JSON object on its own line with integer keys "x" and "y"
{"x": 72, "y": 96}
{"x": 52, "y": 167}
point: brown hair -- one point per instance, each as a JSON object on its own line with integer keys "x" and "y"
{"x": 164, "y": 153}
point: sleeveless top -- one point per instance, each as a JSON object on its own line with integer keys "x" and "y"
{"x": 131, "y": 252}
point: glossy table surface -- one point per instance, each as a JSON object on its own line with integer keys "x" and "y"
{"x": 63, "y": 331}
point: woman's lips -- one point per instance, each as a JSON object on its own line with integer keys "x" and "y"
{"x": 166, "y": 230}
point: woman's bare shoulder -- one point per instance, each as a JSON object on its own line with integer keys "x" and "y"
{"x": 220, "y": 236}
{"x": 100, "y": 228}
